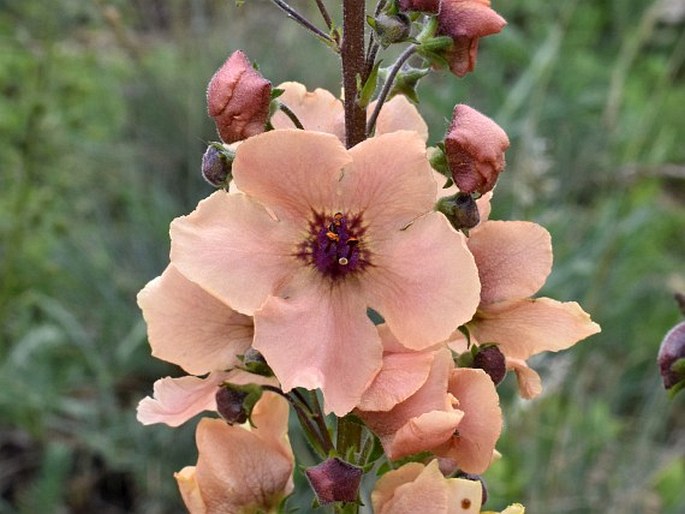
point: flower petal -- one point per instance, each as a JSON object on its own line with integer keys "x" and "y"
{"x": 529, "y": 382}
{"x": 176, "y": 400}
{"x": 514, "y": 259}
{"x": 390, "y": 181}
{"x": 309, "y": 334}
{"x": 189, "y": 327}
{"x": 473, "y": 448}
{"x": 190, "y": 490}
{"x": 292, "y": 172}
{"x": 401, "y": 376}
{"x": 239, "y": 468}
{"x": 424, "y": 282}
{"x": 427, "y": 489}
{"x": 425, "y": 432}
{"x": 317, "y": 110}
{"x": 232, "y": 248}
{"x": 399, "y": 114}
{"x": 526, "y": 327}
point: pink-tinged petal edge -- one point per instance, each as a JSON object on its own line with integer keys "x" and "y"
{"x": 529, "y": 382}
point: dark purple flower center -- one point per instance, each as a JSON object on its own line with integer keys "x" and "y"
{"x": 335, "y": 246}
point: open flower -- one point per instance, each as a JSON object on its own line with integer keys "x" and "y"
{"x": 514, "y": 259}
{"x": 318, "y": 235}
{"x": 241, "y": 469}
{"x": 415, "y": 487}
{"x": 465, "y": 21}
{"x": 320, "y": 111}
{"x": 453, "y": 413}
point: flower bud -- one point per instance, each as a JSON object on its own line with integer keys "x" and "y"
{"x": 420, "y": 5}
{"x": 475, "y": 147}
{"x": 335, "y": 480}
{"x": 671, "y": 358}
{"x": 391, "y": 28}
{"x": 465, "y": 21}
{"x": 235, "y": 402}
{"x": 217, "y": 162}
{"x": 238, "y": 99}
{"x": 254, "y": 362}
{"x": 491, "y": 360}
{"x": 460, "y": 209}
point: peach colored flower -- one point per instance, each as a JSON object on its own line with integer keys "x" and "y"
{"x": 514, "y": 259}
{"x": 415, "y": 487}
{"x": 318, "y": 235}
{"x": 466, "y": 21}
{"x": 474, "y": 146}
{"x": 191, "y": 328}
{"x": 241, "y": 469}
{"x": 453, "y": 413}
{"x": 238, "y": 99}
{"x": 320, "y": 111}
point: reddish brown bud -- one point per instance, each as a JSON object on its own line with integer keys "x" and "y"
{"x": 238, "y": 99}
{"x": 671, "y": 357}
{"x": 465, "y": 21}
{"x": 335, "y": 480}
{"x": 229, "y": 403}
{"x": 475, "y": 147}
{"x": 491, "y": 360}
{"x": 461, "y": 210}
{"x": 420, "y": 5}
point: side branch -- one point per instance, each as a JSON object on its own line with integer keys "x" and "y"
{"x": 292, "y": 13}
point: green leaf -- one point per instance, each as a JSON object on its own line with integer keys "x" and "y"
{"x": 369, "y": 87}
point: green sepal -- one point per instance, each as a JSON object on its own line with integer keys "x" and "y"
{"x": 276, "y": 92}
{"x": 676, "y": 389}
{"x": 369, "y": 87}
{"x": 678, "y": 366}
{"x": 438, "y": 159}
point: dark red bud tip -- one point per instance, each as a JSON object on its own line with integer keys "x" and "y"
{"x": 335, "y": 480}
{"x": 230, "y": 405}
{"x": 255, "y": 363}
{"x": 671, "y": 355}
{"x": 491, "y": 360}
{"x": 420, "y": 5}
{"x": 238, "y": 99}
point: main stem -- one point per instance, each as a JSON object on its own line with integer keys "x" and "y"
{"x": 352, "y": 53}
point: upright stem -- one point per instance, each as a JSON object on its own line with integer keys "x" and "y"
{"x": 352, "y": 53}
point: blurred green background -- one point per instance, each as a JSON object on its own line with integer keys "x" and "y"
{"x": 102, "y": 127}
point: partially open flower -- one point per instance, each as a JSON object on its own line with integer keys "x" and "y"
{"x": 465, "y": 21}
{"x": 415, "y": 487}
{"x": 238, "y": 99}
{"x": 241, "y": 469}
{"x": 475, "y": 147}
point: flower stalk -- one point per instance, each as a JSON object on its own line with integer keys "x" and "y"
{"x": 353, "y": 69}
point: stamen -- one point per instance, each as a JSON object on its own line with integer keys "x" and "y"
{"x": 343, "y": 261}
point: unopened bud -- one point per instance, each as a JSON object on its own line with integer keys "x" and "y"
{"x": 391, "y": 28}
{"x": 335, "y": 480}
{"x": 460, "y": 209}
{"x": 420, "y": 5}
{"x": 491, "y": 360}
{"x": 254, "y": 362}
{"x": 235, "y": 402}
{"x": 217, "y": 162}
{"x": 465, "y": 23}
{"x": 671, "y": 358}
{"x": 238, "y": 99}
{"x": 406, "y": 82}
{"x": 475, "y": 147}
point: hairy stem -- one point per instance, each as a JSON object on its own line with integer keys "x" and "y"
{"x": 352, "y": 53}
{"x": 290, "y": 114}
